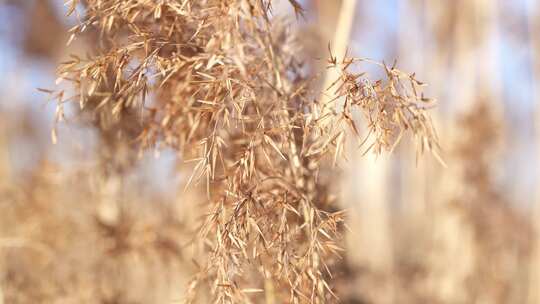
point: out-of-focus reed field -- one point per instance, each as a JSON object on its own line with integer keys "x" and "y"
{"x": 101, "y": 207}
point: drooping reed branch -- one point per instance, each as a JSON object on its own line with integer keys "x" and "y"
{"x": 222, "y": 83}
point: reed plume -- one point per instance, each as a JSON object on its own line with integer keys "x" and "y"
{"x": 224, "y": 84}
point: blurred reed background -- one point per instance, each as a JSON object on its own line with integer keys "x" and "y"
{"x": 87, "y": 221}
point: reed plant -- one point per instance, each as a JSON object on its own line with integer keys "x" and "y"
{"x": 225, "y": 85}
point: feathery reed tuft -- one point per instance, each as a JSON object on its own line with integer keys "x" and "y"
{"x": 222, "y": 83}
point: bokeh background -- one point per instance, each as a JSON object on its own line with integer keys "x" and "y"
{"x": 73, "y": 230}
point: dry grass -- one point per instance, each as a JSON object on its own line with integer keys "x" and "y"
{"x": 229, "y": 88}
{"x": 83, "y": 246}
{"x": 85, "y": 234}
{"x": 221, "y": 82}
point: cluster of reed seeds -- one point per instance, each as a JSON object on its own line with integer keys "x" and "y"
{"x": 224, "y": 83}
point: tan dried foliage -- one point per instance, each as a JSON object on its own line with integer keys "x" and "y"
{"x": 222, "y": 82}
{"x": 61, "y": 240}
{"x": 502, "y": 232}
